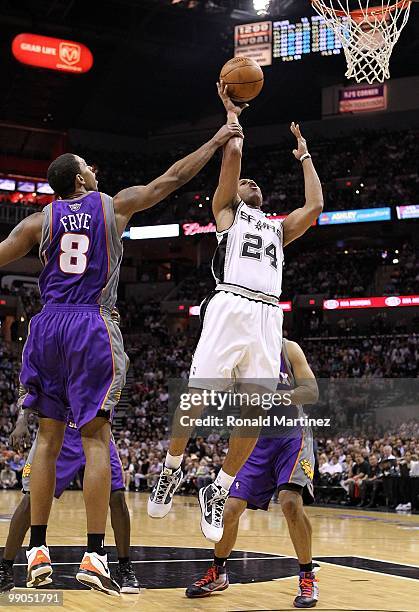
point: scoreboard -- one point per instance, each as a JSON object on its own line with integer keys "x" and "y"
{"x": 291, "y": 41}
{"x": 284, "y": 40}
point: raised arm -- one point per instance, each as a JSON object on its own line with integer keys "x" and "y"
{"x": 225, "y": 197}
{"x": 21, "y": 239}
{"x": 137, "y": 198}
{"x": 306, "y": 391}
{"x": 298, "y": 222}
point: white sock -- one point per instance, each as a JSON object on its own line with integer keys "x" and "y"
{"x": 224, "y": 480}
{"x": 173, "y": 461}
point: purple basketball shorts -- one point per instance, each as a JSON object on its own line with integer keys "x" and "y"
{"x": 275, "y": 462}
{"x": 74, "y": 356}
{"x": 70, "y": 460}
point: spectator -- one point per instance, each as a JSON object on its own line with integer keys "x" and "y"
{"x": 360, "y": 471}
{"x": 154, "y": 472}
{"x": 8, "y": 478}
{"x": 371, "y": 486}
{"x": 203, "y": 474}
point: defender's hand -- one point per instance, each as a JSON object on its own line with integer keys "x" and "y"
{"x": 20, "y": 436}
{"x": 301, "y": 142}
{"x": 227, "y": 131}
{"x": 229, "y": 105}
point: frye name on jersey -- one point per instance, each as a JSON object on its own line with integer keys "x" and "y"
{"x": 78, "y": 221}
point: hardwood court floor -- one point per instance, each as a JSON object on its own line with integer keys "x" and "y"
{"x": 369, "y": 559}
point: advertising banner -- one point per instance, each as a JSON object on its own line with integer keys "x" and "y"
{"x": 52, "y": 53}
{"x": 361, "y": 215}
{"x": 364, "y": 98}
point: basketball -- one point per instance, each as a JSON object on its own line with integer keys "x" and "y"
{"x": 244, "y": 78}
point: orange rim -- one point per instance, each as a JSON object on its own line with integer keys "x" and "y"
{"x": 376, "y": 12}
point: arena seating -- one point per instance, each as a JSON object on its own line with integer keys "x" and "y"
{"x": 364, "y": 170}
{"x": 334, "y": 272}
{"x": 157, "y": 356}
{"x": 351, "y": 168}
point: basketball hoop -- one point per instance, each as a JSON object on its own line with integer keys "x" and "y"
{"x": 367, "y": 34}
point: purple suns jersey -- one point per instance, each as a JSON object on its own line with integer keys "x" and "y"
{"x": 285, "y": 459}
{"x": 287, "y": 379}
{"x": 81, "y": 251}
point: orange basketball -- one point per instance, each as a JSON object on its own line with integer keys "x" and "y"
{"x": 244, "y": 78}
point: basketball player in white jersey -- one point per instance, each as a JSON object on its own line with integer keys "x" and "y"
{"x": 241, "y": 335}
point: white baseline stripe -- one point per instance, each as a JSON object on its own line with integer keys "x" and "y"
{"x": 361, "y": 569}
{"x": 383, "y": 560}
{"x": 262, "y": 558}
{"x": 167, "y": 561}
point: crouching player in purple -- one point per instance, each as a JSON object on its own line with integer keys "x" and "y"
{"x": 74, "y": 353}
{"x": 70, "y": 460}
{"x": 285, "y": 463}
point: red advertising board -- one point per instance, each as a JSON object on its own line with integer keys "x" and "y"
{"x": 52, "y": 53}
{"x": 193, "y": 228}
{"x": 390, "y": 301}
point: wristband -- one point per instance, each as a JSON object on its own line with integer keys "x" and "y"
{"x": 305, "y": 156}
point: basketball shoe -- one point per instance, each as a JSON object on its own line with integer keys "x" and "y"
{"x": 212, "y": 499}
{"x": 308, "y": 591}
{"x": 126, "y": 578}
{"x": 215, "y": 579}
{"x": 39, "y": 567}
{"x": 161, "y": 497}
{"x": 7, "y": 580}
{"x": 94, "y": 573}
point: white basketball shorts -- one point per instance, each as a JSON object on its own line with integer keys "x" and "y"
{"x": 241, "y": 339}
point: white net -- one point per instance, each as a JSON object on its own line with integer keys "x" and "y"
{"x": 367, "y": 33}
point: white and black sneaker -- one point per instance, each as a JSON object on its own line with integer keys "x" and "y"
{"x": 126, "y": 578}
{"x": 212, "y": 499}
{"x": 161, "y": 497}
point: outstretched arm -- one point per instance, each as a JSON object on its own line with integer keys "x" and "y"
{"x": 134, "y": 199}
{"x": 225, "y": 197}
{"x": 306, "y": 391}
{"x": 298, "y": 222}
{"x": 21, "y": 239}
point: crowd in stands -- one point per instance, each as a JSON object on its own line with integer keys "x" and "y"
{"x": 333, "y": 272}
{"x": 363, "y": 170}
{"x": 353, "y": 463}
{"x": 169, "y": 356}
{"x": 371, "y": 471}
{"x": 11, "y": 461}
{"x": 404, "y": 278}
{"x": 366, "y": 357}
{"x": 362, "y": 159}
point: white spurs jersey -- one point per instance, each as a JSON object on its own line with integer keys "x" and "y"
{"x": 250, "y": 254}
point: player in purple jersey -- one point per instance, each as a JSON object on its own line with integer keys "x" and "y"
{"x": 286, "y": 463}
{"x": 74, "y": 351}
{"x": 70, "y": 460}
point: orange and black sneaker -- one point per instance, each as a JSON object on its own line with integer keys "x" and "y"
{"x": 94, "y": 573}
{"x": 216, "y": 579}
{"x": 308, "y": 591}
{"x": 39, "y": 567}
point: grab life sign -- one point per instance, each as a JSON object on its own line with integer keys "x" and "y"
{"x": 53, "y": 53}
